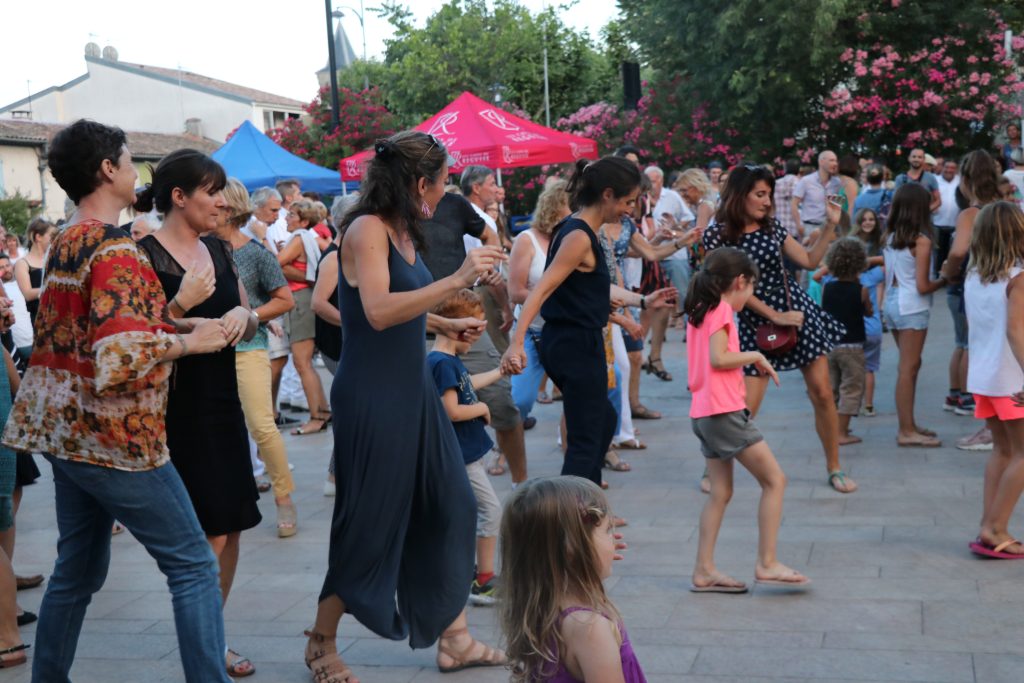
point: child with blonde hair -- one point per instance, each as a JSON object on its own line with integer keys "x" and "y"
{"x": 557, "y": 548}
{"x": 994, "y": 299}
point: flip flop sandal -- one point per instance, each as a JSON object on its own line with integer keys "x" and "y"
{"x": 841, "y": 476}
{"x": 324, "y": 424}
{"x": 8, "y": 663}
{"x": 783, "y": 582}
{"x": 632, "y": 445}
{"x": 980, "y": 547}
{"x": 616, "y": 465}
{"x": 926, "y": 431}
{"x": 718, "y": 588}
{"x": 925, "y": 442}
{"x": 237, "y": 668}
{"x": 645, "y": 413}
{"x": 262, "y": 484}
{"x": 543, "y": 398}
{"x": 496, "y": 469}
{"x": 287, "y": 521}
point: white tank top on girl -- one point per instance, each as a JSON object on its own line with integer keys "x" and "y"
{"x": 993, "y": 370}
{"x": 540, "y": 257}
{"x": 901, "y": 270}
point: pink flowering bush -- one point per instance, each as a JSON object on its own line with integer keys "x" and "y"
{"x": 947, "y": 95}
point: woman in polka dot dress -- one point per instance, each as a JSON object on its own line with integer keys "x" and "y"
{"x": 744, "y": 220}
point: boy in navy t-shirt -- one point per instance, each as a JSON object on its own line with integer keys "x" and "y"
{"x": 469, "y": 417}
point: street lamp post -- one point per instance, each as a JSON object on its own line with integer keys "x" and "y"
{"x": 333, "y": 65}
{"x": 360, "y": 13}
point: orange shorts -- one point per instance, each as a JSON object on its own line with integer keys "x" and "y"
{"x": 1000, "y": 407}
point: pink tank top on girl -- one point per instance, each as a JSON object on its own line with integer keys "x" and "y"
{"x": 714, "y": 391}
{"x": 631, "y": 671}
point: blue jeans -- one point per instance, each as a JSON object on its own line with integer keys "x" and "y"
{"x": 526, "y": 385}
{"x": 154, "y": 506}
{"x": 678, "y": 271}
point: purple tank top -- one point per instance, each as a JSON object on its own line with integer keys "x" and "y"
{"x": 631, "y": 671}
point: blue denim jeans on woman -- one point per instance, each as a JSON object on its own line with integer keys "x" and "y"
{"x": 154, "y": 506}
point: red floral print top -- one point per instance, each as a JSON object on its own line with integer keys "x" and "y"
{"x": 96, "y": 391}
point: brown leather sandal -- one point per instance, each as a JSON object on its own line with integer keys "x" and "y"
{"x": 490, "y": 657}
{"x": 14, "y": 661}
{"x": 323, "y": 660}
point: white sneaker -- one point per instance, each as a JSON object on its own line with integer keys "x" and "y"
{"x": 329, "y": 488}
{"x": 979, "y": 441}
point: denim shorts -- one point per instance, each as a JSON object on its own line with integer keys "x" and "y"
{"x": 897, "y": 321}
{"x": 872, "y": 353}
{"x": 955, "y": 301}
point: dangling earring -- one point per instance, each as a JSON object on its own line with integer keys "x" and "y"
{"x": 425, "y": 209}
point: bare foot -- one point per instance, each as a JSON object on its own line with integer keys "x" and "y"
{"x": 779, "y": 574}
{"x": 847, "y": 439}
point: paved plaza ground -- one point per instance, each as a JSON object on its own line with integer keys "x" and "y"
{"x": 896, "y": 595}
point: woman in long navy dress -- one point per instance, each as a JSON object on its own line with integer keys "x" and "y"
{"x": 404, "y": 516}
{"x": 573, "y": 296}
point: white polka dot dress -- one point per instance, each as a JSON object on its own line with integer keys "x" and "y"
{"x": 820, "y": 331}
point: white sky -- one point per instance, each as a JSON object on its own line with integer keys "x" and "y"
{"x": 272, "y": 45}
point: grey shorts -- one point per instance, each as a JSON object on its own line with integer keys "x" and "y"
{"x": 488, "y": 508}
{"x": 726, "y": 435}
{"x": 301, "y": 319}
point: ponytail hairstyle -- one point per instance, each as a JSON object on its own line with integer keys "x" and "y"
{"x": 185, "y": 169}
{"x": 592, "y": 178}
{"x": 732, "y": 212}
{"x": 389, "y": 184}
{"x": 721, "y": 267}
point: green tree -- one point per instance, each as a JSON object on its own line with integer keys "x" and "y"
{"x": 763, "y": 69}
{"x": 491, "y": 49}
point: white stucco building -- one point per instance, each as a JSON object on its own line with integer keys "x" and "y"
{"x": 154, "y": 99}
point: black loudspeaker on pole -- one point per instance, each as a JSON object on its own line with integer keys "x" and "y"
{"x": 631, "y": 84}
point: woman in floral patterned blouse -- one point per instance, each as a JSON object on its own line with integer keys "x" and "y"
{"x": 93, "y": 401}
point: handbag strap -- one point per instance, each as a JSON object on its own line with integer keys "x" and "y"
{"x": 785, "y": 279}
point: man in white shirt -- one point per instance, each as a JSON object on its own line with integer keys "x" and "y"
{"x": 944, "y": 218}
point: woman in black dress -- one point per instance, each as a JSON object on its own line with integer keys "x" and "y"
{"x": 28, "y": 271}
{"x": 404, "y": 516}
{"x": 573, "y": 297}
{"x": 745, "y": 220}
{"x": 206, "y": 432}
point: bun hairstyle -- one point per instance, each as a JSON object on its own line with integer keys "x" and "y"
{"x": 592, "y": 178}
{"x": 185, "y": 169}
{"x": 721, "y": 267}
{"x": 732, "y": 213}
{"x": 389, "y": 184}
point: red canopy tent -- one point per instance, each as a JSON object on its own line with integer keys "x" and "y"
{"x": 477, "y": 132}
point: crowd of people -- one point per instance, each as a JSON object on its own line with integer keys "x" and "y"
{"x": 154, "y": 364}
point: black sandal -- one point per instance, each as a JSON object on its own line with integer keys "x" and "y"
{"x": 653, "y": 368}
{"x": 8, "y": 663}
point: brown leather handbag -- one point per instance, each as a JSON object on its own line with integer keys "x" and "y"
{"x": 778, "y": 340}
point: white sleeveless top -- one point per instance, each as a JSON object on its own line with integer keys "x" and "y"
{"x": 901, "y": 270}
{"x": 540, "y": 257}
{"x": 993, "y": 370}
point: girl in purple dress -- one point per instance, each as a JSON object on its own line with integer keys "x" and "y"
{"x": 558, "y": 546}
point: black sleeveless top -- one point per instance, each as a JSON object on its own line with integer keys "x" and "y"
{"x": 583, "y": 298}
{"x": 328, "y": 336}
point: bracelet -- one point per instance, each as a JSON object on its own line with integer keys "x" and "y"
{"x": 184, "y": 346}
{"x": 643, "y": 302}
{"x": 255, "y": 315}
{"x": 174, "y": 301}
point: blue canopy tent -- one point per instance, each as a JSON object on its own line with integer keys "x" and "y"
{"x": 258, "y": 161}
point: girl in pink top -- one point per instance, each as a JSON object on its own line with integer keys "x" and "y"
{"x": 722, "y": 422}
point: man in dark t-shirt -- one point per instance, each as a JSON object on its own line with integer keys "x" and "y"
{"x": 453, "y": 218}
{"x": 445, "y": 251}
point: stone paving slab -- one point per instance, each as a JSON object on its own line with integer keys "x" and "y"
{"x": 896, "y": 595}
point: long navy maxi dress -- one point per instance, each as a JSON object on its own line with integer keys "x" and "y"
{"x": 402, "y": 536}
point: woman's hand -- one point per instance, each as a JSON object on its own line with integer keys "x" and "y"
{"x": 690, "y": 237}
{"x": 275, "y": 328}
{"x": 634, "y": 329}
{"x": 478, "y": 264}
{"x": 463, "y": 329}
{"x": 235, "y": 321}
{"x": 765, "y": 368}
{"x": 207, "y": 337}
{"x": 258, "y": 229}
{"x": 789, "y": 318}
{"x": 197, "y": 285}
{"x": 662, "y": 298}
{"x": 514, "y": 360}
